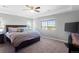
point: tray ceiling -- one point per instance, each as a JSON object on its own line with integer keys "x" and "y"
{"x": 21, "y": 10}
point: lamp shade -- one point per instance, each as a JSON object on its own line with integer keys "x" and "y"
{"x": 72, "y": 27}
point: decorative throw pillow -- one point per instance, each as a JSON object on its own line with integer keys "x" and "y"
{"x": 20, "y": 30}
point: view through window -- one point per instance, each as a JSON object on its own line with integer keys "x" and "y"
{"x": 48, "y": 24}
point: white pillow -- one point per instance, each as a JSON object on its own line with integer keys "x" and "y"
{"x": 11, "y": 29}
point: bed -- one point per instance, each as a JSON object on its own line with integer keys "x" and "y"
{"x": 21, "y": 39}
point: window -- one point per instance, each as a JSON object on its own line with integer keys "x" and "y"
{"x": 48, "y": 25}
{"x": 29, "y": 24}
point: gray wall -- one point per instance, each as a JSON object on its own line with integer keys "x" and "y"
{"x": 61, "y": 19}
{"x": 14, "y": 20}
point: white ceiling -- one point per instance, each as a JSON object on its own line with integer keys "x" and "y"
{"x": 44, "y": 10}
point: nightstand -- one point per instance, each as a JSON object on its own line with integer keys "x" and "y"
{"x": 1, "y": 38}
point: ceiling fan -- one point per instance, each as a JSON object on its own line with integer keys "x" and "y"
{"x": 34, "y": 8}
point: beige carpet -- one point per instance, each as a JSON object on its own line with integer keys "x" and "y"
{"x": 46, "y": 46}
{"x": 6, "y": 48}
{"x": 43, "y": 46}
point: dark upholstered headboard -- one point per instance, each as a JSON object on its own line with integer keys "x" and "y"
{"x": 14, "y": 26}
